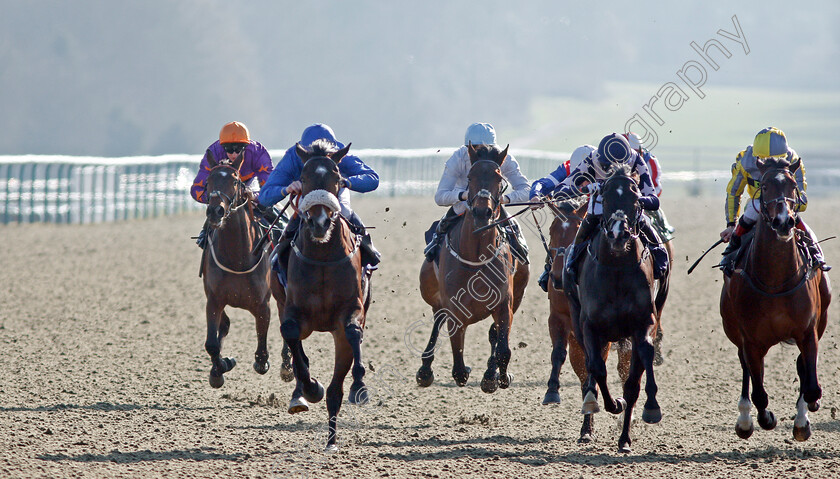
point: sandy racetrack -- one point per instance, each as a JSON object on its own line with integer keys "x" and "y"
{"x": 105, "y": 374}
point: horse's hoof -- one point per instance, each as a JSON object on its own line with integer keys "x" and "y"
{"x": 658, "y": 359}
{"x": 358, "y": 395}
{"x": 590, "y": 404}
{"x": 767, "y": 421}
{"x": 314, "y": 392}
{"x": 297, "y": 405}
{"x": 287, "y": 375}
{"x": 505, "y": 380}
{"x": 744, "y": 433}
{"x": 490, "y": 384}
{"x": 652, "y": 416}
{"x": 462, "y": 377}
{"x": 551, "y": 397}
{"x": 802, "y": 433}
{"x": 620, "y": 405}
{"x": 216, "y": 381}
{"x": 624, "y": 448}
{"x": 585, "y": 439}
{"x": 814, "y": 406}
{"x": 261, "y": 368}
{"x": 425, "y": 377}
{"x": 331, "y": 448}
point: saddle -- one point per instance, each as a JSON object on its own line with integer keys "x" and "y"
{"x": 803, "y": 244}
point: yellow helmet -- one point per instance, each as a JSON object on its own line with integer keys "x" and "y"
{"x": 234, "y": 132}
{"x": 770, "y": 142}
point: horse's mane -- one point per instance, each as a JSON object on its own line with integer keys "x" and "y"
{"x": 622, "y": 169}
{"x": 322, "y": 147}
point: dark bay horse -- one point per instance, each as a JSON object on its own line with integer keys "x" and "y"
{"x": 327, "y": 289}
{"x": 232, "y": 275}
{"x": 617, "y": 298}
{"x": 567, "y": 218}
{"x": 476, "y": 276}
{"x": 775, "y": 296}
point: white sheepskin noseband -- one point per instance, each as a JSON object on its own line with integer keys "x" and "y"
{"x": 319, "y": 197}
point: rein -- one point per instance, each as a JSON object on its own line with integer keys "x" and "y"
{"x": 225, "y": 268}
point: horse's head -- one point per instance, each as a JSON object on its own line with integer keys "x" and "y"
{"x": 779, "y": 194}
{"x": 225, "y": 189}
{"x": 621, "y": 210}
{"x": 485, "y": 182}
{"x": 320, "y": 181}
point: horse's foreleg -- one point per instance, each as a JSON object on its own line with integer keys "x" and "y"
{"x": 597, "y": 369}
{"x": 217, "y": 328}
{"x": 425, "y": 377}
{"x": 310, "y": 388}
{"x": 344, "y": 358}
{"x": 490, "y": 381}
{"x": 358, "y": 391}
{"x": 460, "y": 371}
{"x": 744, "y": 427}
{"x": 263, "y": 317}
{"x": 631, "y": 394}
{"x": 559, "y": 339}
{"x": 810, "y": 391}
{"x": 754, "y": 356}
{"x": 504, "y": 320}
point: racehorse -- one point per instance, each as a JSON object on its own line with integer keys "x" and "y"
{"x": 232, "y": 275}
{"x": 775, "y": 295}
{"x": 567, "y": 218}
{"x": 327, "y": 289}
{"x": 617, "y": 298}
{"x": 476, "y": 276}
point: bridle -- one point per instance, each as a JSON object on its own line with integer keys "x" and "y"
{"x": 238, "y": 200}
{"x": 793, "y": 203}
{"x": 620, "y": 215}
{"x": 495, "y": 201}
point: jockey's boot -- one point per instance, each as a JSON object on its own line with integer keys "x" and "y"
{"x": 573, "y": 252}
{"x": 661, "y": 261}
{"x": 727, "y": 263}
{"x": 201, "y": 239}
{"x": 281, "y": 251}
{"x": 443, "y": 225}
{"x": 370, "y": 256}
{"x": 813, "y": 244}
{"x": 543, "y": 281}
{"x": 664, "y": 219}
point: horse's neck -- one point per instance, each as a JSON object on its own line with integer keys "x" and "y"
{"x": 476, "y": 246}
{"x": 339, "y": 245}
{"x": 772, "y": 259}
{"x": 238, "y": 235}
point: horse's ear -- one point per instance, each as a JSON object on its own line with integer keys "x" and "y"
{"x": 795, "y": 165}
{"x": 759, "y": 163}
{"x": 302, "y": 152}
{"x": 503, "y": 155}
{"x": 472, "y": 151}
{"x": 338, "y": 155}
{"x": 211, "y": 160}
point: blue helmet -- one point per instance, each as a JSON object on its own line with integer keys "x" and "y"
{"x": 614, "y": 150}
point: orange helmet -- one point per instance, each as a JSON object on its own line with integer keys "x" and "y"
{"x": 234, "y": 132}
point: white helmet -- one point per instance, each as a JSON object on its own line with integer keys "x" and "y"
{"x": 634, "y": 140}
{"x": 580, "y": 154}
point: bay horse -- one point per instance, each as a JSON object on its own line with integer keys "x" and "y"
{"x": 232, "y": 275}
{"x": 327, "y": 287}
{"x": 775, "y": 295}
{"x": 617, "y": 298}
{"x": 568, "y": 216}
{"x": 476, "y": 276}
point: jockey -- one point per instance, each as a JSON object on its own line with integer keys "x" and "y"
{"x": 613, "y": 150}
{"x": 452, "y": 191}
{"x": 658, "y": 216}
{"x": 548, "y": 185}
{"x": 285, "y": 180}
{"x": 769, "y": 142}
{"x": 234, "y": 140}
